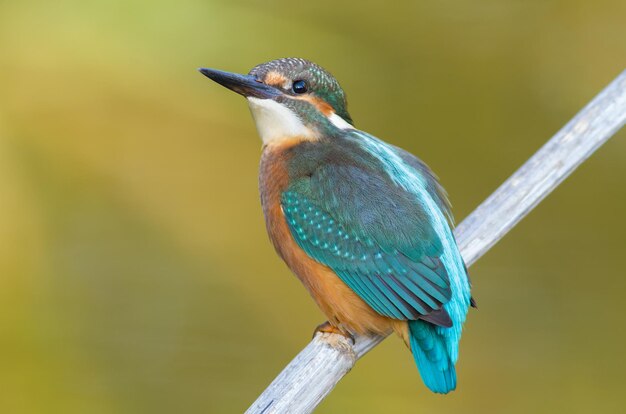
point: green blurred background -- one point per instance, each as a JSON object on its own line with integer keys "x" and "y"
{"x": 135, "y": 272}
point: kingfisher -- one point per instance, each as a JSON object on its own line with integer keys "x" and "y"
{"x": 364, "y": 224}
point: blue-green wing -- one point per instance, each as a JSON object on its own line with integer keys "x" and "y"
{"x": 376, "y": 236}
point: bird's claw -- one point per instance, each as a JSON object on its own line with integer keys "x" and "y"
{"x": 327, "y": 327}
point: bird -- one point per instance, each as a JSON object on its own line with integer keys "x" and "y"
{"x": 365, "y": 225}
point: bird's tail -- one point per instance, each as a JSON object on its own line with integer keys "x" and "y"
{"x": 431, "y": 355}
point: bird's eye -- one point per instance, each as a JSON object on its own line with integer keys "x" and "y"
{"x": 299, "y": 86}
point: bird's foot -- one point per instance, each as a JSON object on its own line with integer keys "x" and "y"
{"x": 327, "y": 327}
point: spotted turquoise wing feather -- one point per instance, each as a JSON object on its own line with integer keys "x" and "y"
{"x": 390, "y": 260}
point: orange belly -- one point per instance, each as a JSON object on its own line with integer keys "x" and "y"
{"x": 340, "y": 304}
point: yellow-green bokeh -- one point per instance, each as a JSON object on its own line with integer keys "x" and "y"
{"x": 135, "y": 273}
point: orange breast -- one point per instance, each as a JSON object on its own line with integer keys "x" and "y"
{"x": 339, "y": 303}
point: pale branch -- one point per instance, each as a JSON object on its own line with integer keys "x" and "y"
{"x": 315, "y": 371}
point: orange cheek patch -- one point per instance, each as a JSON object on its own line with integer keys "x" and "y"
{"x": 275, "y": 79}
{"x": 319, "y": 103}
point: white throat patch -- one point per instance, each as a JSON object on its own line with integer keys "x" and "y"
{"x": 276, "y": 122}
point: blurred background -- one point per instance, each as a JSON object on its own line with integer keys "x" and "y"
{"x": 135, "y": 271}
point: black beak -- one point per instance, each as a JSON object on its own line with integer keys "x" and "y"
{"x": 245, "y": 85}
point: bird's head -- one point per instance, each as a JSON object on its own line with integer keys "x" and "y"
{"x": 289, "y": 98}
